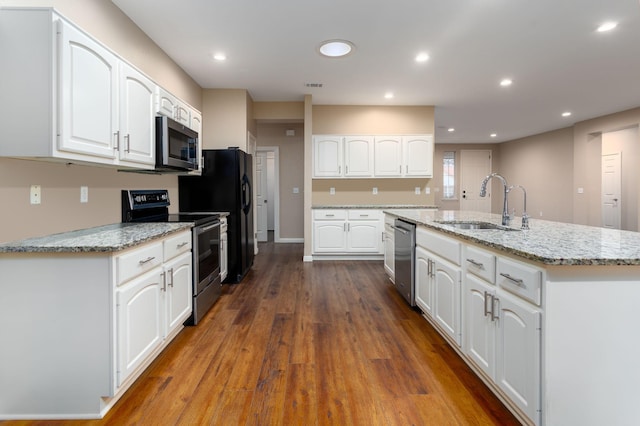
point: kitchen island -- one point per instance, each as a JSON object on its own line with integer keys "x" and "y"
{"x": 85, "y": 312}
{"x": 547, "y": 317}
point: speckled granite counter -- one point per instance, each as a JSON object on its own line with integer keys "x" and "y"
{"x": 551, "y": 243}
{"x": 374, "y": 206}
{"x": 107, "y": 238}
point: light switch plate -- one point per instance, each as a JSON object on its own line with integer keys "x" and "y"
{"x": 375, "y": 191}
{"x": 84, "y": 194}
{"x": 332, "y": 191}
{"x": 35, "y": 194}
{"x": 427, "y": 190}
{"x": 296, "y": 190}
{"x": 417, "y": 190}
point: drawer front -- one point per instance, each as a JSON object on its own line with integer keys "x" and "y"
{"x": 138, "y": 261}
{"x": 336, "y": 214}
{"x": 520, "y": 279}
{"x": 364, "y": 214}
{"x": 180, "y": 243}
{"x": 445, "y": 247}
{"x": 481, "y": 263}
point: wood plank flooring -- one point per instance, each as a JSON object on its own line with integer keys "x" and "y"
{"x": 297, "y": 343}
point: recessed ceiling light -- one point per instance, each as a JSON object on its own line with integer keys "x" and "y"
{"x": 451, "y": 129}
{"x": 566, "y": 114}
{"x": 506, "y": 82}
{"x": 220, "y": 57}
{"x": 336, "y": 48}
{"x": 388, "y": 95}
{"x": 422, "y": 57}
{"x": 607, "y": 26}
{"x": 493, "y": 135}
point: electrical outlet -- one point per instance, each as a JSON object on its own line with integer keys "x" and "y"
{"x": 417, "y": 190}
{"x": 84, "y": 194}
{"x": 35, "y": 194}
{"x": 427, "y": 190}
{"x": 332, "y": 191}
{"x": 375, "y": 191}
{"x": 296, "y": 190}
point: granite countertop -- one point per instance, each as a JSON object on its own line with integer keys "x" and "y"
{"x": 551, "y": 243}
{"x": 375, "y": 206}
{"x": 107, "y": 238}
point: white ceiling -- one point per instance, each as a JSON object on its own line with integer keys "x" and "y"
{"x": 549, "y": 48}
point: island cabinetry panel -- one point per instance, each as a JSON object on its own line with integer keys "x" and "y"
{"x": 348, "y": 231}
{"x": 438, "y": 282}
{"x": 224, "y": 249}
{"x": 389, "y": 247}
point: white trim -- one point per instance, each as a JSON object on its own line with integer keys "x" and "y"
{"x": 290, "y": 240}
{"x": 307, "y": 258}
{"x": 348, "y": 257}
{"x": 276, "y": 190}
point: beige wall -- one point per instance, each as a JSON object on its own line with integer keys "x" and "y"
{"x": 543, "y": 164}
{"x": 225, "y": 118}
{"x": 60, "y": 209}
{"x": 287, "y": 112}
{"x": 291, "y": 174}
{"x": 587, "y": 157}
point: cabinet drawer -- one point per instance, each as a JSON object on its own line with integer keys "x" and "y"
{"x": 520, "y": 279}
{"x": 137, "y": 261}
{"x": 445, "y": 247}
{"x": 336, "y": 214}
{"x": 481, "y": 263}
{"x": 363, "y": 214}
{"x": 173, "y": 246}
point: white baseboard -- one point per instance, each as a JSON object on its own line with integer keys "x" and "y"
{"x": 307, "y": 258}
{"x": 290, "y": 240}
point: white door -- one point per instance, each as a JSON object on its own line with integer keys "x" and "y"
{"x": 358, "y": 156}
{"x": 611, "y": 191}
{"x": 446, "y": 288}
{"x": 327, "y": 156}
{"x": 480, "y": 334}
{"x": 364, "y": 236}
{"x": 475, "y": 165}
{"x": 178, "y": 291}
{"x": 417, "y": 152}
{"x": 423, "y": 281}
{"x": 388, "y": 156}
{"x": 261, "y": 195}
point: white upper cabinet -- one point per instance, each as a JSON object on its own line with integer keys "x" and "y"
{"x": 172, "y": 107}
{"x": 327, "y": 156}
{"x": 418, "y": 156}
{"x": 372, "y": 156}
{"x": 358, "y": 156}
{"x": 388, "y": 156}
{"x": 89, "y": 79}
{"x": 137, "y": 125}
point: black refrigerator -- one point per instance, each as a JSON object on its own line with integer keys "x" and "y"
{"x": 225, "y": 186}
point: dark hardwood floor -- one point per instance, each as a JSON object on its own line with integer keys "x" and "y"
{"x": 297, "y": 343}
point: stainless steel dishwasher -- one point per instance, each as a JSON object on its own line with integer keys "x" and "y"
{"x": 404, "y": 259}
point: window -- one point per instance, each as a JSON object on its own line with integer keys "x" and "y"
{"x": 448, "y": 174}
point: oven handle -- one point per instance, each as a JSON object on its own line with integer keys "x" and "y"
{"x": 208, "y": 228}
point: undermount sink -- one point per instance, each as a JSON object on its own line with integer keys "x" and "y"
{"x": 476, "y": 225}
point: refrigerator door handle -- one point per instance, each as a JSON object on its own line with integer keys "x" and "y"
{"x": 246, "y": 200}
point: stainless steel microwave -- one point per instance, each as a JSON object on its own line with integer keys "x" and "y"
{"x": 176, "y": 145}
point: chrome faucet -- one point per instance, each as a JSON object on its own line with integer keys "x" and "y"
{"x": 505, "y": 208}
{"x": 525, "y": 216}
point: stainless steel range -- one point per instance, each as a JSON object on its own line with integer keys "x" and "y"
{"x": 153, "y": 206}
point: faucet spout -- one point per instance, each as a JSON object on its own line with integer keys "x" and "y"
{"x": 525, "y": 216}
{"x": 505, "y": 208}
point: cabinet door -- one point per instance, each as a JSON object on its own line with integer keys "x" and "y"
{"x": 447, "y": 302}
{"x": 364, "y": 236}
{"x": 166, "y": 103}
{"x": 418, "y": 155}
{"x": 423, "y": 281}
{"x": 389, "y": 251}
{"x": 480, "y": 334}
{"x": 327, "y": 156}
{"x": 329, "y": 236}
{"x": 89, "y": 95}
{"x": 183, "y": 114}
{"x": 358, "y": 156}
{"x": 139, "y": 316}
{"x": 137, "y": 117}
{"x": 518, "y": 354}
{"x": 388, "y": 156}
{"x": 179, "y": 291}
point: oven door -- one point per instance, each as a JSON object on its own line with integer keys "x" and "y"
{"x": 206, "y": 253}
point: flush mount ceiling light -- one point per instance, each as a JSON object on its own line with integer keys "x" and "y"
{"x": 451, "y": 129}
{"x": 506, "y": 82}
{"x": 493, "y": 135}
{"x": 607, "y": 26}
{"x": 388, "y": 95}
{"x": 336, "y": 48}
{"x": 566, "y": 114}
{"x": 219, "y": 56}
{"x": 422, "y": 57}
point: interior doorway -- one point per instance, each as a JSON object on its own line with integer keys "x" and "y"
{"x": 267, "y": 194}
{"x": 611, "y": 191}
{"x": 475, "y": 165}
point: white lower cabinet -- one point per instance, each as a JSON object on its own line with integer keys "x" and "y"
{"x": 348, "y": 232}
{"x": 224, "y": 249}
{"x": 437, "y": 292}
{"x": 389, "y": 247}
{"x": 152, "y": 307}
